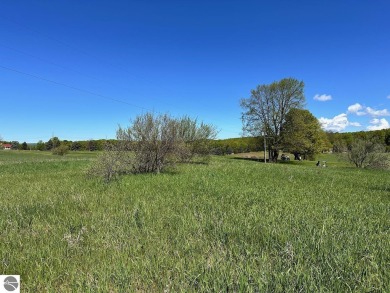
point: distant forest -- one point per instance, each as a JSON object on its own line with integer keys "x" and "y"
{"x": 336, "y": 142}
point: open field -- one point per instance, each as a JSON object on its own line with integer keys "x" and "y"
{"x": 232, "y": 225}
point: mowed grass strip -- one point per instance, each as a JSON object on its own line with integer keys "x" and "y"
{"x": 231, "y": 225}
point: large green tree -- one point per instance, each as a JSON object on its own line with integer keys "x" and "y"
{"x": 302, "y": 134}
{"x": 15, "y": 145}
{"x": 264, "y": 112}
{"x": 52, "y": 143}
{"x": 40, "y": 146}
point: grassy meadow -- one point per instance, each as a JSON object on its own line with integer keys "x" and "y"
{"x": 234, "y": 225}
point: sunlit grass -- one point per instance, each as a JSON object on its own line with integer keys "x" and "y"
{"x": 13, "y": 157}
{"x": 232, "y": 225}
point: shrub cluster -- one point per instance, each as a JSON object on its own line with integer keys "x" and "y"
{"x": 114, "y": 161}
{"x": 368, "y": 154}
{"x": 152, "y": 143}
{"x": 60, "y": 150}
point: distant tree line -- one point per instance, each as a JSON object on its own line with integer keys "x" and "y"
{"x": 54, "y": 142}
{"x": 334, "y": 141}
{"x": 236, "y": 145}
{"x": 15, "y": 145}
{"x": 342, "y": 142}
{"x": 218, "y": 146}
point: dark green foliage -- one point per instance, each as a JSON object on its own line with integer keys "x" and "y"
{"x": 302, "y": 133}
{"x": 237, "y": 145}
{"x": 15, "y": 145}
{"x": 24, "y": 146}
{"x": 52, "y": 143}
{"x": 75, "y": 146}
{"x": 387, "y": 137}
{"x": 88, "y": 145}
{"x": 40, "y": 146}
{"x": 343, "y": 141}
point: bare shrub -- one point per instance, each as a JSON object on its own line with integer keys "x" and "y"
{"x": 152, "y": 143}
{"x": 194, "y": 139}
{"x": 368, "y": 154}
{"x": 115, "y": 160}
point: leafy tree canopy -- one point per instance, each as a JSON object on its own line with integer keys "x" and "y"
{"x": 266, "y": 109}
{"x": 302, "y": 133}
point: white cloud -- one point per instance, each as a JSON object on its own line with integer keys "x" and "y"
{"x": 362, "y": 110}
{"x": 388, "y": 96}
{"x": 373, "y": 112}
{"x": 355, "y": 108}
{"x": 356, "y": 124}
{"x": 375, "y": 121}
{"x": 322, "y": 98}
{"x": 337, "y": 123}
{"x": 378, "y": 124}
{"x": 340, "y": 122}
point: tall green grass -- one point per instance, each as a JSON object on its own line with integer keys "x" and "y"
{"x": 232, "y": 225}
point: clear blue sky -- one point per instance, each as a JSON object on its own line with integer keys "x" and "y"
{"x": 77, "y": 69}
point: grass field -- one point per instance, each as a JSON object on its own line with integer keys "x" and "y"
{"x": 232, "y": 225}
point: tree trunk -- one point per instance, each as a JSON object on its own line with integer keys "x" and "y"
{"x": 275, "y": 155}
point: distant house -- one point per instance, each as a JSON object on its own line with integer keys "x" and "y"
{"x": 7, "y": 146}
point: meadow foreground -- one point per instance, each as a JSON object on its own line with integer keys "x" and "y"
{"x": 232, "y": 225}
